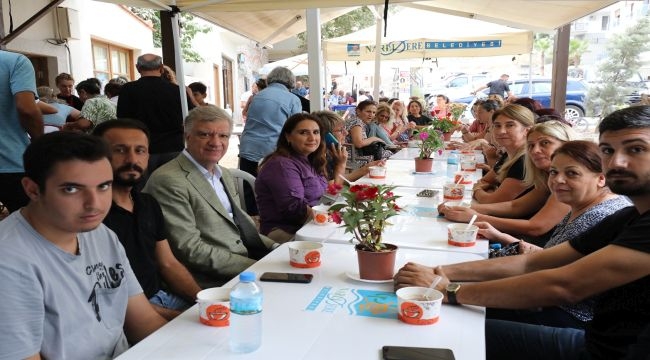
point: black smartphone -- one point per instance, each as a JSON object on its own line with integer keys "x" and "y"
{"x": 416, "y": 353}
{"x": 330, "y": 139}
{"x": 287, "y": 277}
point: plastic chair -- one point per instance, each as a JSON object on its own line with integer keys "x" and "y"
{"x": 242, "y": 177}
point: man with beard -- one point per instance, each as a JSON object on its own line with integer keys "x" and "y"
{"x": 138, "y": 222}
{"x": 67, "y": 288}
{"x": 611, "y": 263}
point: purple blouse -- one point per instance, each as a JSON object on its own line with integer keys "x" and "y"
{"x": 285, "y": 187}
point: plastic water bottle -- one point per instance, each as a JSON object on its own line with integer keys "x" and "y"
{"x": 452, "y": 164}
{"x": 246, "y": 314}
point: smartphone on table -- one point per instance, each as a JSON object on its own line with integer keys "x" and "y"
{"x": 287, "y": 277}
{"x": 416, "y": 353}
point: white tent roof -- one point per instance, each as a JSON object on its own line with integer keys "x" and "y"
{"x": 258, "y": 19}
{"x": 415, "y": 33}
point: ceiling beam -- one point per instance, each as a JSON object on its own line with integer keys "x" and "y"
{"x": 31, "y": 21}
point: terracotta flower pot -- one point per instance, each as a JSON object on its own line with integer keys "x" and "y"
{"x": 423, "y": 165}
{"x": 377, "y": 265}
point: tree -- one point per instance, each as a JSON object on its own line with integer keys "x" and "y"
{"x": 542, "y": 44}
{"x": 189, "y": 29}
{"x": 622, "y": 64}
{"x": 354, "y": 20}
{"x": 577, "y": 47}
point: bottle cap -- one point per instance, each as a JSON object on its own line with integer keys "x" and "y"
{"x": 247, "y": 276}
{"x": 495, "y": 246}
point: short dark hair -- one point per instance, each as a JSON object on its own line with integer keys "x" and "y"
{"x": 112, "y": 89}
{"x": 42, "y": 155}
{"x": 584, "y": 152}
{"x": 121, "y": 123}
{"x": 91, "y": 86}
{"x": 198, "y": 87}
{"x": 62, "y": 77}
{"x": 633, "y": 117}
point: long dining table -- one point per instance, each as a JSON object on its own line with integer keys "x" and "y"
{"x": 336, "y": 316}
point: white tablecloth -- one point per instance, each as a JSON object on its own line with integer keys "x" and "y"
{"x": 296, "y": 325}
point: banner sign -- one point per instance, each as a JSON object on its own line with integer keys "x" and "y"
{"x": 398, "y": 47}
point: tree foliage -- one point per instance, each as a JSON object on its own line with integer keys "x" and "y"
{"x": 577, "y": 47}
{"x": 542, "y": 44}
{"x": 622, "y": 63}
{"x": 188, "y": 30}
{"x": 353, "y": 21}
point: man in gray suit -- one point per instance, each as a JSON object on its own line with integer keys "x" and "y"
{"x": 208, "y": 230}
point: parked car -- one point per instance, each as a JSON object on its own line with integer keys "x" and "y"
{"x": 456, "y": 86}
{"x": 541, "y": 91}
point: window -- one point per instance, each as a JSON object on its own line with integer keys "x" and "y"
{"x": 458, "y": 82}
{"x": 541, "y": 87}
{"x": 110, "y": 61}
{"x": 605, "y": 23}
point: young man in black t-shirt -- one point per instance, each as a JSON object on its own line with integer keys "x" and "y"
{"x": 138, "y": 221}
{"x": 611, "y": 262}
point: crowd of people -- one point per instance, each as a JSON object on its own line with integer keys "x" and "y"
{"x": 120, "y": 218}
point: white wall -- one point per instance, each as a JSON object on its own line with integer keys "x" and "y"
{"x": 99, "y": 20}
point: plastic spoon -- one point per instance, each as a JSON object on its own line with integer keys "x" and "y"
{"x": 432, "y": 287}
{"x": 471, "y": 222}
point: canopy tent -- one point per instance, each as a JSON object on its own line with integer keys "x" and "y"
{"x": 258, "y": 19}
{"x": 297, "y": 64}
{"x": 540, "y": 15}
{"x": 447, "y": 36}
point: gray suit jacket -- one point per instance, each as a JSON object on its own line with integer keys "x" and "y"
{"x": 214, "y": 247}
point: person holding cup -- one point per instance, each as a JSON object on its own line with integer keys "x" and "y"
{"x": 505, "y": 181}
{"x": 293, "y": 178}
{"x": 514, "y": 216}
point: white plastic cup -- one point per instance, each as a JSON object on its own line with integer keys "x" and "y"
{"x": 377, "y": 172}
{"x": 321, "y": 214}
{"x": 305, "y": 254}
{"x": 453, "y": 191}
{"x": 214, "y": 306}
{"x": 461, "y": 235}
{"x": 418, "y": 305}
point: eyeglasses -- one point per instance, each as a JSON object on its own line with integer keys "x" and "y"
{"x": 383, "y": 116}
{"x": 340, "y": 130}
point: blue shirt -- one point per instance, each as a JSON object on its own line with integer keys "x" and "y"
{"x": 16, "y": 75}
{"x": 285, "y": 187}
{"x": 60, "y": 117}
{"x": 266, "y": 115}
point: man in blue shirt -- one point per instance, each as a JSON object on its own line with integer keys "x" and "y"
{"x": 266, "y": 115}
{"x": 19, "y": 117}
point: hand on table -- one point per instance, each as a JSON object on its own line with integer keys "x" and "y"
{"x": 413, "y": 274}
{"x": 456, "y": 213}
{"x": 488, "y": 231}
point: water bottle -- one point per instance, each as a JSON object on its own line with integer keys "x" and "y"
{"x": 246, "y": 314}
{"x": 452, "y": 164}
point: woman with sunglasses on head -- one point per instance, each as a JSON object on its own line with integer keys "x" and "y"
{"x": 514, "y": 216}
{"x": 576, "y": 179}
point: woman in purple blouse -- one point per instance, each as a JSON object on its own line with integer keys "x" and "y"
{"x": 292, "y": 179}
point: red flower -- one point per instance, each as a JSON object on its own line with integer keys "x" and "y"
{"x": 357, "y": 188}
{"x": 334, "y": 189}
{"x": 368, "y": 193}
{"x": 336, "y": 217}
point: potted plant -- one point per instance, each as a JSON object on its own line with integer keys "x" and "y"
{"x": 430, "y": 141}
{"x": 365, "y": 214}
{"x": 446, "y": 125}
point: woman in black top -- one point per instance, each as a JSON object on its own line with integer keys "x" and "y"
{"x": 415, "y": 114}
